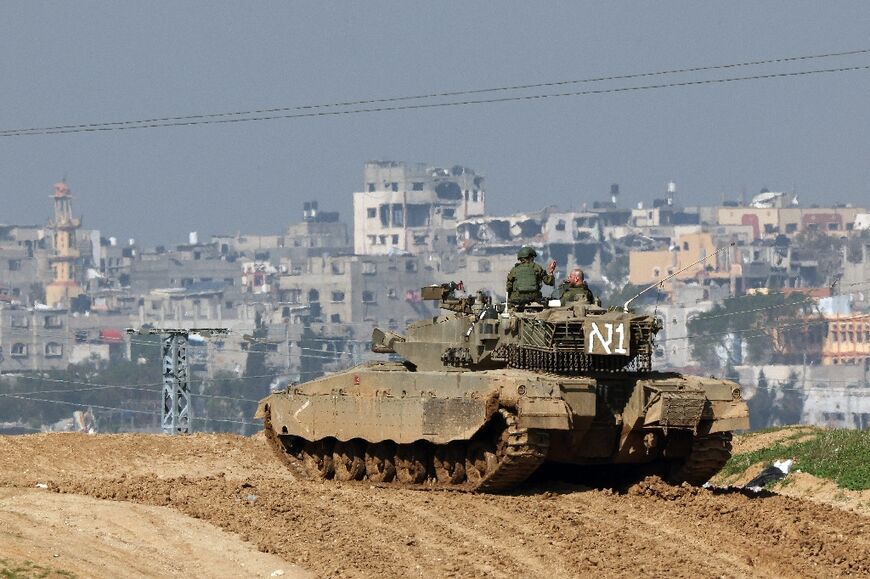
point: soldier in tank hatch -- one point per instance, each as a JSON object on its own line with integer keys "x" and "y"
{"x": 574, "y": 289}
{"x": 526, "y": 277}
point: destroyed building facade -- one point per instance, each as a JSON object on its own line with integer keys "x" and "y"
{"x": 413, "y": 208}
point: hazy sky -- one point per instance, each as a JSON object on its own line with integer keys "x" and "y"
{"x": 77, "y": 62}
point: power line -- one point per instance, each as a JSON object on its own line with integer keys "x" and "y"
{"x": 194, "y": 120}
{"x": 507, "y": 88}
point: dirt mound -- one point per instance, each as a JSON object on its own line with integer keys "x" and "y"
{"x": 357, "y": 530}
{"x": 94, "y": 538}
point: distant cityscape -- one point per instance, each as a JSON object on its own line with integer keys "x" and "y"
{"x": 307, "y": 299}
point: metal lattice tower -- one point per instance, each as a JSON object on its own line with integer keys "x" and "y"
{"x": 175, "y": 414}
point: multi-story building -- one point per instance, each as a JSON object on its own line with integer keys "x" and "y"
{"x": 646, "y": 267}
{"x": 33, "y": 339}
{"x": 847, "y": 340}
{"x": 413, "y": 208}
{"x": 772, "y": 220}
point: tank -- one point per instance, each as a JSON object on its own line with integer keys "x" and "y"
{"x": 481, "y": 396}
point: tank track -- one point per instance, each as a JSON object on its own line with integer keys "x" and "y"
{"x": 709, "y": 454}
{"x": 511, "y": 455}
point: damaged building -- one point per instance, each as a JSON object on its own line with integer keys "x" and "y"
{"x": 572, "y": 238}
{"x": 413, "y": 208}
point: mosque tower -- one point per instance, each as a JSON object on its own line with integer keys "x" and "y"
{"x": 64, "y": 288}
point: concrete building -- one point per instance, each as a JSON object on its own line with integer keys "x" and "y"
{"x": 413, "y": 208}
{"x": 847, "y": 341}
{"x": 646, "y": 267}
{"x": 34, "y": 339}
{"x": 768, "y": 222}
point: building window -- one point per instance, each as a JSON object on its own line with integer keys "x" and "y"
{"x": 395, "y": 239}
{"x": 484, "y": 266}
{"x": 294, "y": 296}
{"x": 831, "y": 227}
{"x": 14, "y": 264}
{"x": 335, "y": 318}
{"x": 394, "y": 186}
{"x": 391, "y": 293}
{"x": 449, "y": 213}
{"x": 371, "y": 187}
{"x": 53, "y": 350}
{"x": 790, "y": 227}
{"x": 337, "y": 267}
{"x": 20, "y": 322}
{"x": 313, "y": 295}
{"x": 19, "y": 350}
{"x": 560, "y": 225}
{"x": 417, "y": 186}
{"x": 53, "y": 322}
{"x": 369, "y": 268}
{"x": 369, "y": 297}
{"x": 411, "y": 265}
{"x": 419, "y": 240}
{"x": 474, "y": 196}
{"x": 228, "y": 305}
{"x": 337, "y": 297}
{"x": 371, "y": 212}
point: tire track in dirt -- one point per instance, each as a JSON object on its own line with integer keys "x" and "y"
{"x": 360, "y": 530}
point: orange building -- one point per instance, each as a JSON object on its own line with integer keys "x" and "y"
{"x": 847, "y": 340}
{"x": 646, "y": 267}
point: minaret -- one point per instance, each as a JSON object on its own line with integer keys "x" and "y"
{"x": 59, "y": 292}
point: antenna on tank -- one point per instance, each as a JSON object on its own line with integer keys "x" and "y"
{"x": 663, "y": 280}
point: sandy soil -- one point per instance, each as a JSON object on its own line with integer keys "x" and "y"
{"x": 355, "y": 530}
{"x": 94, "y": 538}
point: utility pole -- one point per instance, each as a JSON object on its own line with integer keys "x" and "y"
{"x": 175, "y": 415}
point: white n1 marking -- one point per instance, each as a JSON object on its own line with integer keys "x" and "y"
{"x": 605, "y": 344}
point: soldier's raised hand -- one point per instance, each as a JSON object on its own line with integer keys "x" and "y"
{"x": 551, "y": 267}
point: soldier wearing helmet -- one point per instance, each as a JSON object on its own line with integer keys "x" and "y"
{"x": 526, "y": 277}
{"x": 574, "y": 289}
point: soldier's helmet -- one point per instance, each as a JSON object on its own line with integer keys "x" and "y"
{"x": 527, "y": 253}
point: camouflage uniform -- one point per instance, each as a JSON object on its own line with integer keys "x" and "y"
{"x": 575, "y": 293}
{"x": 524, "y": 282}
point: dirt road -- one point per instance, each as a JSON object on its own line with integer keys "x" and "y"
{"x": 356, "y": 530}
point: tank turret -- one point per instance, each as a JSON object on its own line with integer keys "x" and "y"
{"x": 477, "y": 334}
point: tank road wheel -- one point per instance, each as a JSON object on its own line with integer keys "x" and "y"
{"x": 709, "y": 454}
{"x": 380, "y": 462}
{"x": 449, "y": 463}
{"x": 412, "y": 462}
{"x": 480, "y": 460}
{"x": 348, "y": 460}
{"x": 317, "y": 458}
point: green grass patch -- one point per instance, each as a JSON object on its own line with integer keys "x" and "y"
{"x": 842, "y": 456}
{"x": 29, "y": 570}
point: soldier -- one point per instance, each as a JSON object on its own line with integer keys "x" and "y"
{"x": 525, "y": 279}
{"x": 574, "y": 289}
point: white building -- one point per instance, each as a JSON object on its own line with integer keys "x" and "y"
{"x": 413, "y": 208}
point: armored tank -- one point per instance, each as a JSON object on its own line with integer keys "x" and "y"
{"x": 481, "y": 396}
